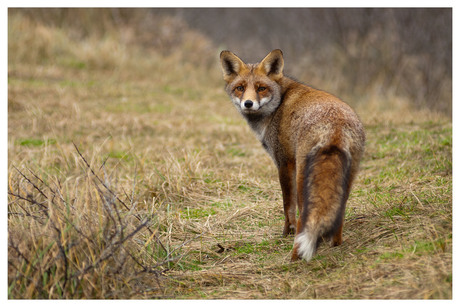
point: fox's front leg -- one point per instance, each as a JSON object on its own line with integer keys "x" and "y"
{"x": 288, "y": 187}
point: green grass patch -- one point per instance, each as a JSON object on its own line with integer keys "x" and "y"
{"x": 391, "y": 255}
{"x": 35, "y": 142}
{"x": 236, "y": 152}
{"x": 119, "y": 155}
{"x": 197, "y": 213}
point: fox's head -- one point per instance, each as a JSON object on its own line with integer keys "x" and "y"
{"x": 253, "y": 88}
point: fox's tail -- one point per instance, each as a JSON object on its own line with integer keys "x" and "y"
{"x": 323, "y": 187}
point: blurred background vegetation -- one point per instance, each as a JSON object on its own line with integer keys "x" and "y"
{"x": 407, "y": 52}
{"x": 362, "y": 55}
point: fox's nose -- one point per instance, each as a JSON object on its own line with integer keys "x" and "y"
{"x": 248, "y": 104}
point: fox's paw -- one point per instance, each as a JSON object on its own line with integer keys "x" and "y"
{"x": 288, "y": 229}
{"x": 294, "y": 256}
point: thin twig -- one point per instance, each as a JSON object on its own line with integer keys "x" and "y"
{"x": 33, "y": 184}
{"x": 32, "y": 201}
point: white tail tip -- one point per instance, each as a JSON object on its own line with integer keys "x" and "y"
{"x": 306, "y": 245}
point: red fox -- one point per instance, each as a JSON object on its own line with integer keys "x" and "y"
{"x": 314, "y": 138}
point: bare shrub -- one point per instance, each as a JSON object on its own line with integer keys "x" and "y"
{"x": 81, "y": 238}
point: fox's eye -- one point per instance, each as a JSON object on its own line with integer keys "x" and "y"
{"x": 240, "y": 88}
{"x": 261, "y": 89}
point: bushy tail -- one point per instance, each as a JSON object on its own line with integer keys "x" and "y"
{"x": 323, "y": 189}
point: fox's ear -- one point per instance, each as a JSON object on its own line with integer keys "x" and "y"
{"x": 272, "y": 65}
{"x": 231, "y": 65}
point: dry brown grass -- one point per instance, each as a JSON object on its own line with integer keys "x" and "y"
{"x": 131, "y": 176}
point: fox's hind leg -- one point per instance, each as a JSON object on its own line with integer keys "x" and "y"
{"x": 287, "y": 178}
{"x": 347, "y": 183}
{"x": 337, "y": 238}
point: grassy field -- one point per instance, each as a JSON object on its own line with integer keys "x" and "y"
{"x": 130, "y": 175}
